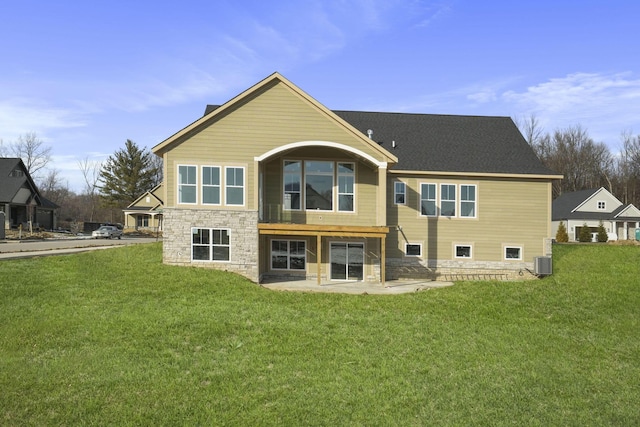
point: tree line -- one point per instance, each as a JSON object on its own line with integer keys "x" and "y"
{"x": 107, "y": 186}
{"x": 584, "y": 163}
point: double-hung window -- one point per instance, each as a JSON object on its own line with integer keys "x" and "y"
{"x": 210, "y": 244}
{"x": 292, "y": 184}
{"x": 447, "y": 200}
{"x": 211, "y": 185}
{"x": 234, "y": 186}
{"x": 318, "y": 177}
{"x": 428, "y": 199}
{"x": 346, "y": 184}
{"x": 288, "y": 255}
{"x": 467, "y": 201}
{"x": 187, "y": 184}
{"x": 399, "y": 193}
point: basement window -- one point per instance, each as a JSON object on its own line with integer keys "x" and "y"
{"x": 463, "y": 251}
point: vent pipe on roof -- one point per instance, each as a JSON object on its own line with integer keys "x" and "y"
{"x": 370, "y": 133}
{"x": 393, "y": 144}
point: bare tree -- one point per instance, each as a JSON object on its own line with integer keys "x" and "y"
{"x": 628, "y": 168}
{"x": 32, "y": 151}
{"x": 91, "y": 174}
{"x": 584, "y": 163}
{"x": 531, "y": 130}
{"x": 53, "y": 188}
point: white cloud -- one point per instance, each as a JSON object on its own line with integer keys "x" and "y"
{"x": 606, "y": 104}
{"x": 21, "y": 115}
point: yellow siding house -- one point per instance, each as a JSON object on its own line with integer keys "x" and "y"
{"x": 273, "y": 184}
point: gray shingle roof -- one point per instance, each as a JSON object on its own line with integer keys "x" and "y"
{"x": 562, "y": 207}
{"x": 9, "y": 185}
{"x": 448, "y": 143}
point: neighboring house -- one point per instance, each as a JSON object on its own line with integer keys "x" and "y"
{"x": 274, "y": 184}
{"x": 20, "y": 199}
{"x": 146, "y": 211}
{"x": 590, "y": 207}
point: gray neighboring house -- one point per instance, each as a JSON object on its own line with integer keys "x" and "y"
{"x": 590, "y": 207}
{"x": 20, "y": 199}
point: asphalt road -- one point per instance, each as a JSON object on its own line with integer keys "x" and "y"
{"x": 11, "y": 249}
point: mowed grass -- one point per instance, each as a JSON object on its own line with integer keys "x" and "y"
{"x": 114, "y": 337}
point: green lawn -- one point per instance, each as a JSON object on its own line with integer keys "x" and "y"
{"x": 115, "y": 337}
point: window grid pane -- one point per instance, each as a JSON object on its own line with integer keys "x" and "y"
{"x": 318, "y": 185}
{"x": 428, "y": 199}
{"x": 234, "y": 186}
{"x": 399, "y": 190}
{"x": 288, "y": 255}
{"x": 468, "y": 201}
{"x": 292, "y": 184}
{"x": 211, "y": 185}
{"x": 210, "y": 244}
{"x": 346, "y": 184}
{"x": 448, "y": 200}
{"x": 186, "y": 184}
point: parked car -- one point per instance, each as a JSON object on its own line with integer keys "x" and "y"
{"x": 107, "y": 232}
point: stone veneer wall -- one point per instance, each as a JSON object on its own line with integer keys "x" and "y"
{"x": 243, "y": 238}
{"x": 447, "y": 270}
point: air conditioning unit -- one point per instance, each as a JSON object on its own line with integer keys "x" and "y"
{"x": 542, "y": 265}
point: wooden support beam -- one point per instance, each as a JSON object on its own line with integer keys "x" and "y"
{"x": 319, "y": 257}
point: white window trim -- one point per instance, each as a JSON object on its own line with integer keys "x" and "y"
{"x": 179, "y": 184}
{"x": 604, "y": 205}
{"x": 455, "y": 250}
{"x": 289, "y": 241}
{"x": 395, "y": 193}
{"x": 284, "y": 183}
{"x": 332, "y": 174}
{"x": 211, "y": 245}
{"x": 202, "y": 186}
{"x": 455, "y": 201}
{"x": 434, "y": 200}
{"x": 475, "y": 202}
{"x": 337, "y": 186}
{"x": 504, "y": 252}
{"x": 227, "y": 186}
{"x": 412, "y": 244}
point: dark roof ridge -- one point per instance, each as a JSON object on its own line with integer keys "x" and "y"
{"x": 420, "y": 114}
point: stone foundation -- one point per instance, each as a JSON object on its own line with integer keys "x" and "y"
{"x": 243, "y": 231}
{"x": 449, "y": 270}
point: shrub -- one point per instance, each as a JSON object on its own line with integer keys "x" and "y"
{"x": 585, "y": 233}
{"x": 602, "y": 233}
{"x": 561, "y": 235}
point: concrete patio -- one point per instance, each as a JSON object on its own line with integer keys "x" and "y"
{"x": 391, "y": 287}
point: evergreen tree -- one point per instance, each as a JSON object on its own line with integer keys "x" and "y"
{"x": 561, "y": 235}
{"x": 585, "y": 233}
{"x": 602, "y": 233}
{"x": 126, "y": 175}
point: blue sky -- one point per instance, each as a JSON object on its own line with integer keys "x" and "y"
{"x": 88, "y": 75}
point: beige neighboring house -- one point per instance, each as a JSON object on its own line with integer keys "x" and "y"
{"x": 273, "y": 184}
{"x": 145, "y": 213}
{"x": 577, "y": 208}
